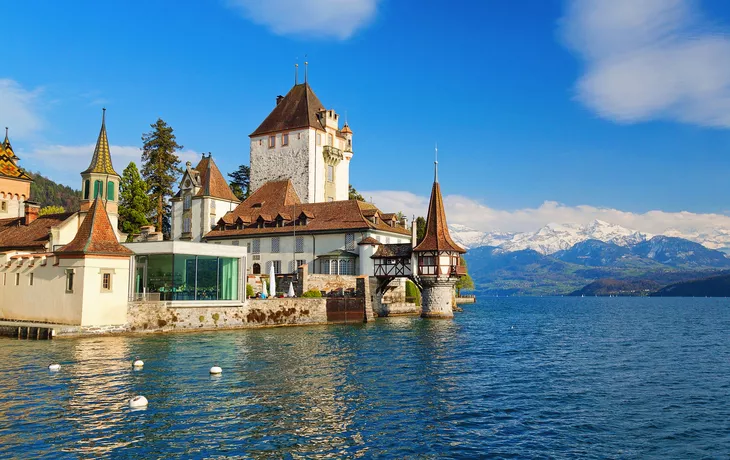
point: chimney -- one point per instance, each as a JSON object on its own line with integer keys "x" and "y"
{"x": 279, "y": 98}
{"x": 31, "y": 212}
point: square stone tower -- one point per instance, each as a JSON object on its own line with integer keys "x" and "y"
{"x": 302, "y": 141}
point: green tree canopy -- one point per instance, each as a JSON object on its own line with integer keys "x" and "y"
{"x": 353, "y": 195}
{"x": 420, "y": 228}
{"x": 241, "y": 182}
{"x": 160, "y": 168}
{"x": 465, "y": 282}
{"x": 134, "y": 203}
{"x": 51, "y": 210}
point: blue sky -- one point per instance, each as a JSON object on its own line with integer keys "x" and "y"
{"x": 544, "y": 110}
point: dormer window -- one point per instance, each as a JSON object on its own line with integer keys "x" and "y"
{"x": 272, "y": 142}
{"x": 256, "y": 205}
{"x": 279, "y": 221}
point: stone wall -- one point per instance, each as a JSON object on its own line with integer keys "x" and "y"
{"x": 329, "y": 283}
{"x": 161, "y": 316}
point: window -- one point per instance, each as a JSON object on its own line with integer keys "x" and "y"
{"x": 106, "y": 282}
{"x": 333, "y": 267}
{"x": 256, "y": 269}
{"x": 248, "y": 248}
{"x": 17, "y": 279}
{"x": 300, "y": 262}
{"x": 30, "y": 279}
{"x": 325, "y": 267}
{"x": 186, "y": 225}
{"x": 212, "y": 221}
{"x": 272, "y": 142}
{"x": 275, "y": 244}
{"x": 236, "y": 243}
{"x": 212, "y": 207}
{"x": 256, "y": 246}
{"x": 319, "y": 139}
{"x": 98, "y": 188}
{"x": 329, "y": 140}
{"x": 277, "y": 266}
{"x": 187, "y": 202}
{"x": 299, "y": 245}
{"x": 285, "y": 139}
{"x": 350, "y": 242}
{"x": 330, "y": 173}
{"x": 86, "y": 189}
{"x": 3, "y": 205}
{"x": 110, "y": 190}
{"x": 69, "y": 281}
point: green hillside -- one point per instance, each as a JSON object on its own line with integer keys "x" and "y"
{"x": 48, "y": 193}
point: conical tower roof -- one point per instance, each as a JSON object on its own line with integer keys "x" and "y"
{"x": 101, "y": 162}
{"x": 96, "y": 235}
{"x": 9, "y": 148}
{"x": 437, "y": 237}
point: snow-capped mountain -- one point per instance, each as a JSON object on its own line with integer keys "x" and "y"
{"x": 550, "y": 238}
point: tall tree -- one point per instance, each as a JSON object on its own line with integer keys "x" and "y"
{"x": 353, "y": 195}
{"x": 465, "y": 282}
{"x": 420, "y": 228}
{"x": 160, "y": 168}
{"x": 134, "y": 203}
{"x": 241, "y": 182}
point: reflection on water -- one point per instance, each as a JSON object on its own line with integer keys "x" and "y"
{"x": 509, "y": 377}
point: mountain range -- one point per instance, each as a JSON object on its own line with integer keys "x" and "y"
{"x": 560, "y": 259}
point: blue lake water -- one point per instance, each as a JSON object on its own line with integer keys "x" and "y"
{"x": 515, "y": 377}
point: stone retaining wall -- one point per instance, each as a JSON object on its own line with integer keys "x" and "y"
{"x": 162, "y": 317}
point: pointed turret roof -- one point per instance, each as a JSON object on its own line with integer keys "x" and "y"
{"x": 437, "y": 237}
{"x": 298, "y": 109}
{"x": 101, "y": 162}
{"x": 96, "y": 235}
{"x": 212, "y": 182}
{"x": 9, "y": 162}
{"x": 9, "y": 148}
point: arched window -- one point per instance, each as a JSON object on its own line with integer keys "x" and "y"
{"x": 343, "y": 267}
{"x": 98, "y": 188}
{"x": 110, "y": 190}
{"x": 87, "y": 184}
{"x": 256, "y": 269}
{"x": 333, "y": 267}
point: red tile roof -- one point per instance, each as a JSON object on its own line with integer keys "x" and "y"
{"x": 437, "y": 237}
{"x": 33, "y": 237}
{"x": 212, "y": 182}
{"x": 96, "y": 235}
{"x": 298, "y": 109}
{"x": 279, "y": 197}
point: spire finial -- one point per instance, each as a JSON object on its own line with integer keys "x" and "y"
{"x": 436, "y": 164}
{"x": 296, "y": 73}
{"x": 306, "y": 68}
{"x": 6, "y": 133}
{"x": 103, "y": 115}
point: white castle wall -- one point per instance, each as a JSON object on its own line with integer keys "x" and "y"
{"x": 283, "y": 162}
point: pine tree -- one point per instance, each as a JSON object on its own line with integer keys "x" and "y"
{"x": 134, "y": 203}
{"x": 353, "y": 195}
{"x": 241, "y": 182}
{"x": 420, "y": 228}
{"x": 160, "y": 170}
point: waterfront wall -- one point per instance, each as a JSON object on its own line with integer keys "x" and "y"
{"x": 166, "y": 317}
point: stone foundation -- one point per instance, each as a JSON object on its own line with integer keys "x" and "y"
{"x": 437, "y": 298}
{"x": 163, "y": 317}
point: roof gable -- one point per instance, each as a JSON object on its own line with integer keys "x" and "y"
{"x": 298, "y": 109}
{"x": 96, "y": 235}
{"x": 212, "y": 182}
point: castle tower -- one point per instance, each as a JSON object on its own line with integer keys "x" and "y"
{"x": 301, "y": 141}
{"x": 14, "y": 182}
{"x": 100, "y": 180}
{"x": 437, "y": 259}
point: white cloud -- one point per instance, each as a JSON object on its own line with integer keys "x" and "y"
{"x": 18, "y": 108}
{"x": 322, "y": 18}
{"x": 650, "y": 59}
{"x": 469, "y": 212}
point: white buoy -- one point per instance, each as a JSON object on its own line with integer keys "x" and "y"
{"x": 137, "y": 402}
{"x": 138, "y": 363}
{"x": 215, "y": 370}
{"x": 54, "y": 367}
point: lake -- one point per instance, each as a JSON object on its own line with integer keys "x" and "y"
{"x": 509, "y": 377}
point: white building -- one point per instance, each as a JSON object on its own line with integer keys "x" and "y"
{"x": 84, "y": 283}
{"x": 204, "y": 198}
{"x": 336, "y": 237}
{"x": 301, "y": 141}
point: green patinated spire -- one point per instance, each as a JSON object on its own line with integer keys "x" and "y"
{"x": 101, "y": 162}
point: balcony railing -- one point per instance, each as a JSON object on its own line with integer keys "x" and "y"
{"x": 332, "y": 153}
